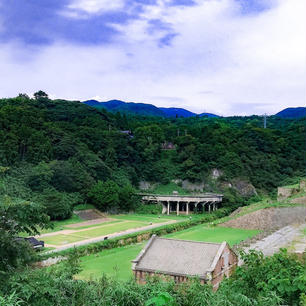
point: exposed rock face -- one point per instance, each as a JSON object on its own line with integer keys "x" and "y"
{"x": 244, "y": 188}
{"x": 193, "y": 186}
{"x": 269, "y": 218}
{"x": 216, "y": 173}
{"x": 144, "y": 185}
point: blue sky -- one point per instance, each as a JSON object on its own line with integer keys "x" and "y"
{"x": 222, "y": 56}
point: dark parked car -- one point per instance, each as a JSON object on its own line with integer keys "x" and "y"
{"x": 36, "y": 244}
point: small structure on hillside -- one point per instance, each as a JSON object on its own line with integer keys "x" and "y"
{"x": 184, "y": 204}
{"x": 181, "y": 259}
{"x": 128, "y": 133}
{"x": 167, "y": 145}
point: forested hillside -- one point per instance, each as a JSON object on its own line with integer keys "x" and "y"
{"x": 56, "y": 151}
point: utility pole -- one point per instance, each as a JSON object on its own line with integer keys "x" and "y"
{"x": 265, "y": 121}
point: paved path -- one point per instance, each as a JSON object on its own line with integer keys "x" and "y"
{"x": 114, "y": 235}
{"x": 291, "y": 237}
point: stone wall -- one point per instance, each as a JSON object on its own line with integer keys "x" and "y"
{"x": 284, "y": 193}
{"x": 271, "y": 218}
{"x": 303, "y": 185}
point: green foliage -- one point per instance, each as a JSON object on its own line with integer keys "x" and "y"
{"x": 231, "y": 198}
{"x": 281, "y": 273}
{"x": 71, "y": 148}
{"x": 59, "y": 205}
{"x": 154, "y": 209}
{"x": 108, "y": 196}
{"x": 56, "y": 286}
{"x": 10, "y": 300}
{"x": 128, "y": 199}
{"x": 162, "y": 299}
{"x": 15, "y": 218}
{"x": 105, "y": 195}
{"x": 40, "y": 177}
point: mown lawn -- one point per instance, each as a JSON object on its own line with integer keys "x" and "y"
{"x": 154, "y": 218}
{"x": 117, "y": 262}
{"x": 102, "y": 230}
{"x": 146, "y": 218}
{"x": 214, "y": 234}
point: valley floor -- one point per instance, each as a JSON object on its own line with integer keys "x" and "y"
{"x": 117, "y": 262}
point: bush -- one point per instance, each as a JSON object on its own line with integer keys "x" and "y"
{"x": 58, "y": 205}
{"x": 153, "y": 209}
{"x": 105, "y": 195}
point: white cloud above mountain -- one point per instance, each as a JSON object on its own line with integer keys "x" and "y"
{"x": 207, "y": 55}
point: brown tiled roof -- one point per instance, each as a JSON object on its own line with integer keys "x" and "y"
{"x": 178, "y": 257}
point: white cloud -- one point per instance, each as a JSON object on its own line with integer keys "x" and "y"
{"x": 95, "y": 6}
{"x": 247, "y": 63}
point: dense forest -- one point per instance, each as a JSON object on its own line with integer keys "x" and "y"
{"x": 68, "y": 147}
{"x": 60, "y": 153}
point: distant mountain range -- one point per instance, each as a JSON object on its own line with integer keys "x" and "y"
{"x": 292, "y": 112}
{"x": 144, "y": 109}
{"x": 173, "y": 112}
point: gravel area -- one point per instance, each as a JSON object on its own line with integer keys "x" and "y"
{"x": 290, "y": 237}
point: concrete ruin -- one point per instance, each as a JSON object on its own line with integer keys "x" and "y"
{"x": 185, "y": 204}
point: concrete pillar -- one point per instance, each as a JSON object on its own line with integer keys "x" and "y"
{"x": 209, "y": 208}
{"x": 177, "y": 208}
{"x": 214, "y": 206}
{"x": 168, "y": 208}
{"x": 187, "y": 208}
{"x": 164, "y": 207}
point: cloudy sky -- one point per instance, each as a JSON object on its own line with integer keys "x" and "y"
{"x": 222, "y": 56}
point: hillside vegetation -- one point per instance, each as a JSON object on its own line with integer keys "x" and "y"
{"x": 62, "y": 153}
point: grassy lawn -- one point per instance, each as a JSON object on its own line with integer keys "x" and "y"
{"x": 102, "y": 230}
{"x": 62, "y": 239}
{"x": 112, "y": 228}
{"x": 60, "y": 225}
{"x": 117, "y": 262}
{"x": 153, "y": 218}
{"x": 214, "y": 234}
{"x": 145, "y": 218}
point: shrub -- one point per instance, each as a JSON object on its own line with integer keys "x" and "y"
{"x": 149, "y": 209}
{"x": 58, "y": 204}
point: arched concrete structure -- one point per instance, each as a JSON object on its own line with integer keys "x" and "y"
{"x": 185, "y": 203}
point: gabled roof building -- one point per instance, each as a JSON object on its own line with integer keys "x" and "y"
{"x": 181, "y": 259}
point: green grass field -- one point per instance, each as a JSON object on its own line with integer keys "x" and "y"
{"x": 118, "y": 223}
{"x": 117, "y": 262}
{"x": 102, "y": 230}
{"x": 214, "y": 234}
